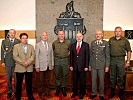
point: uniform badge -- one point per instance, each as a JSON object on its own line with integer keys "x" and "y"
{"x": 103, "y": 46}
{"x": 6, "y": 49}
{"x": 93, "y": 50}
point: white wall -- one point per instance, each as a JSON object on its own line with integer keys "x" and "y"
{"x": 118, "y": 13}
{"x": 20, "y": 15}
{"x": 17, "y": 14}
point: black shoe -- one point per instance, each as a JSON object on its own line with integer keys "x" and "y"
{"x": 63, "y": 91}
{"x": 31, "y": 98}
{"x": 81, "y": 96}
{"x": 101, "y": 97}
{"x": 73, "y": 95}
{"x": 57, "y": 91}
{"x": 120, "y": 95}
{"x": 9, "y": 95}
{"x": 92, "y": 96}
{"x": 18, "y": 99}
{"x": 47, "y": 94}
{"x": 41, "y": 97}
{"x": 112, "y": 94}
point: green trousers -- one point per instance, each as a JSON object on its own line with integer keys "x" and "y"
{"x": 117, "y": 72}
{"x": 61, "y": 70}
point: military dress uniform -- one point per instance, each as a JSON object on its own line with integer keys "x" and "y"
{"x": 61, "y": 53}
{"x": 118, "y": 49}
{"x": 99, "y": 59}
{"x": 7, "y": 58}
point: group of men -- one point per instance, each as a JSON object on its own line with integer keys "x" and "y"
{"x": 100, "y": 57}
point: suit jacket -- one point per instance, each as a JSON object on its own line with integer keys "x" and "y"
{"x": 44, "y": 57}
{"x": 7, "y": 51}
{"x": 20, "y": 56}
{"x": 99, "y": 55}
{"x": 81, "y": 60}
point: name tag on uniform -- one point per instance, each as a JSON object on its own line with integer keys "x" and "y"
{"x": 102, "y": 46}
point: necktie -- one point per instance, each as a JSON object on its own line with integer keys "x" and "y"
{"x": 78, "y": 49}
{"x": 98, "y": 42}
{"x": 45, "y": 45}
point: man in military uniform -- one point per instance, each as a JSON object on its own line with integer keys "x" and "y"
{"x": 118, "y": 47}
{"x": 99, "y": 63}
{"x": 7, "y": 59}
{"x": 61, "y": 48}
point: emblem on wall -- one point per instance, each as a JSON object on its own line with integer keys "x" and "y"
{"x": 129, "y": 34}
{"x": 71, "y": 22}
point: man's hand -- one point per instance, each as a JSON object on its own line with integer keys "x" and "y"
{"x": 68, "y": 53}
{"x": 106, "y": 69}
{"x": 89, "y": 68}
{"x": 52, "y": 67}
{"x": 127, "y": 65}
{"x": 3, "y": 64}
{"x": 25, "y": 64}
{"x": 71, "y": 68}
{"x": 85, "y": 69}
{"x": 38, "y": 70}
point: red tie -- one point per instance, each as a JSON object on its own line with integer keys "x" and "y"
{"x": 78, "y": 49}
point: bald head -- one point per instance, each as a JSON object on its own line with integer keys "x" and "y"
{"x": 79, "y": 37}
{"x": 12, "y": 33}
{"x": 99, "y": 35}
{"x": 44, "y": 36}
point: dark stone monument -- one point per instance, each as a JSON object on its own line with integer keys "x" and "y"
{"x": 71, "y": 22}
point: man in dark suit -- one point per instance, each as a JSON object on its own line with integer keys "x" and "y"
{"x": 79, "y": 62}
{"x": 7, "y": 59}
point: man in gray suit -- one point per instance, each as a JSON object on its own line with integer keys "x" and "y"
{"x": 7, "y": 59}
{"x": 99, "y": 63}
{"x": 44, "y": 63}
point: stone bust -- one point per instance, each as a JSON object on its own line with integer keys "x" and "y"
{"x": 70, "y": 13}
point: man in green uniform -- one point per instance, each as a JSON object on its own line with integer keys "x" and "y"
{"x": 7, "y": 59}
{"x": 61, "y": 48}
{"x": 119, "y": 46}
{"x": 99, "y": 63}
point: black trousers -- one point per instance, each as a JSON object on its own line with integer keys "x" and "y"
{"x": 28, "y": 81}
{"x": 81, "y": 76}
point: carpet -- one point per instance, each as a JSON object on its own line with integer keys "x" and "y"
{"x": 3, "y": 93}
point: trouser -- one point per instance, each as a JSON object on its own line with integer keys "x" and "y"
{"x": 44, "y": 83}
{"x": 9, "y": 72}
{"x": 81, "y": 76}
{"x": 100, "y": 74}
{"x": 28, "y": 81}
{"x": 117, "y": 70}
{"x": 61, "y": 70}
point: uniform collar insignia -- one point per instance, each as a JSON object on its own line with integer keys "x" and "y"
{"x": 101, "y": 41}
